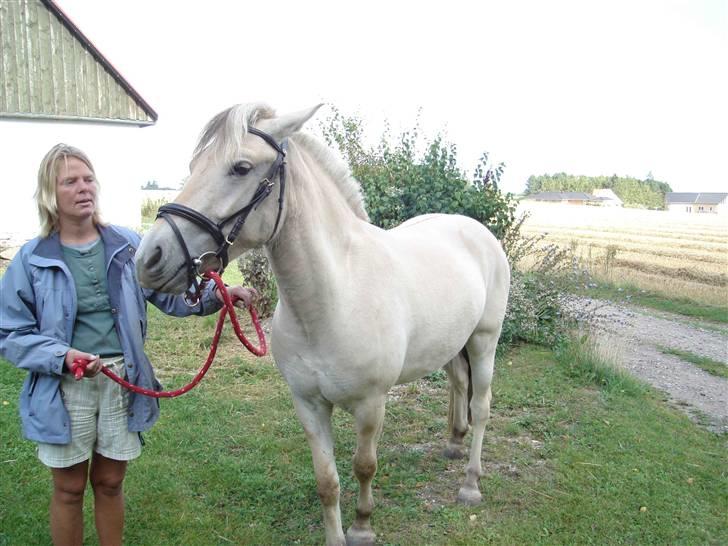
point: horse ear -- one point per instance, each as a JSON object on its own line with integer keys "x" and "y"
{"x": 283, "y": 126}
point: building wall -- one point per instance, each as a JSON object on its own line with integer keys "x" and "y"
{"x": 115, "y": 152}
{"x": 48, "y": 72}
{"x": 698, "y": 208}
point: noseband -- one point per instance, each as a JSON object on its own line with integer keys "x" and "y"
{"x": 224, "y": 242}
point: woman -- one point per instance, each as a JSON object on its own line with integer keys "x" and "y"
{"x": 72, "y": 293}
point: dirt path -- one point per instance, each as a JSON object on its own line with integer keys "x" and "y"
{"x": 637, "y": 338}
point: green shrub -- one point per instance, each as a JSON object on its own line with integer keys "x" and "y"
{"x": 535, "y": 312}
{"x": 257, "y": 273}
{"x": 399, "y": 182}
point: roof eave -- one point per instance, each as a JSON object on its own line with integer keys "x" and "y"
{"x": 58, "y": 12}
{"x": 73, "y": 119}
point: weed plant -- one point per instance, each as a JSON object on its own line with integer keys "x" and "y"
{"x": 536, "y": 311}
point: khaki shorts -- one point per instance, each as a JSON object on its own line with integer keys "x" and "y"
{"x": 98, "y": 408}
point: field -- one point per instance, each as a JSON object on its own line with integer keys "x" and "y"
{"x": 675, "y": 255}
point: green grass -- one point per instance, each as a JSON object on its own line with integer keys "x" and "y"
{"x": 680, "y": 306}
{"x": 713, "y": 367}
{"x": 574, "y": 450}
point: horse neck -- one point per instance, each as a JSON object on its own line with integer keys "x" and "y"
{"x": 308, "y": 254}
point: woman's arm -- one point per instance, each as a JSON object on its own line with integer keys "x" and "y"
{"x": 20, "y": 339}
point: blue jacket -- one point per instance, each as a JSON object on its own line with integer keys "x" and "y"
{"x": 37, "y": 314}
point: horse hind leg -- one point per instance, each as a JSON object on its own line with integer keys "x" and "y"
{"x": 481, "y": 351}
{"x": 458, "y": 372}
{"x": 369, "y": 417}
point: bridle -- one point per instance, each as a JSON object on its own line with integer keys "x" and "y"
{"x": 224, "y": 242}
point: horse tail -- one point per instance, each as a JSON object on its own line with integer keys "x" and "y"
{"x": 466, "y": 356}
{"x": 461, "y": 382}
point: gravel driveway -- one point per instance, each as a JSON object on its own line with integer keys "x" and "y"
{"x": 638, "y": 337}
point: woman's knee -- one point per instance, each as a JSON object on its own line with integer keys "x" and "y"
{"x": 69, "y": 484}
{"x": 107, "y": 476}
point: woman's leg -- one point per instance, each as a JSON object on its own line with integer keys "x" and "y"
{"x": 107, "y": 478}
{"x": 66, "y": 510}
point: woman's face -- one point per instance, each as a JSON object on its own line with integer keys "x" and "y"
{"x": 75, "y": 190}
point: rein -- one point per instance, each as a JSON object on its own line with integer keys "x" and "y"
{"x": 78, "y": 367}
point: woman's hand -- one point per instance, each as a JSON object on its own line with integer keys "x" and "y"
{"x": 94, "y": 364}
{"x": 242, "y": 296}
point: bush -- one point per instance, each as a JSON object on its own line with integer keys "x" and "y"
{"x": 399, "y": 183}
{"x": 257, "y": 273}
{"x": 536, "y": 312}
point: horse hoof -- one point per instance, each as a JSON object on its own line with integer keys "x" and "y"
{"x": 360, "y": 537}
{"x": 453, "y": 453}
{"x": 469, "y": 497}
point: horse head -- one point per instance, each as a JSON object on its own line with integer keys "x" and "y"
{"x": 232, "y": 201}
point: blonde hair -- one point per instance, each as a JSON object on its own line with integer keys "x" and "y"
{"x": 45, "y": 192}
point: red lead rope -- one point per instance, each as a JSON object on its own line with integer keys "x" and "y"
{"x": 78, "y": 367}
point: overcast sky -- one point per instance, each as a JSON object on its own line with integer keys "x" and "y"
{"x": 584, "y": 87}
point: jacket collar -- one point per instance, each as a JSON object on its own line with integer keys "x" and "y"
{"x": 50, "y": 247}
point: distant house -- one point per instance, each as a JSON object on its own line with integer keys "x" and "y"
{"x": 603, "y": 197}
{"x": 56, "y": 86}
{"x": 697, "y": 203}
{"x": 607, "y": 198}
{"x": 563, "y": 197}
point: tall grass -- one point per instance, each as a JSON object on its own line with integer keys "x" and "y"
{"x": 149, "y": 211}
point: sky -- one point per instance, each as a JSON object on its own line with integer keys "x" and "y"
{"x": 583, "y": 87}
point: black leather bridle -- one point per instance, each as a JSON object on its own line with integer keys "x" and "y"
{"x": 224, "y": 242}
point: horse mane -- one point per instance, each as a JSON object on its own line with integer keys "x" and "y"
{"x": 338, "y": 170}
{"x": 221, "y": 136}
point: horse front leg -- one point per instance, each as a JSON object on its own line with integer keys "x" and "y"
{"x": 315, "y": 416}
{"x": 369, "y": 417}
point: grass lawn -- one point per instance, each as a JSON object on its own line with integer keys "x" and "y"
{"x": 572, "y": 456}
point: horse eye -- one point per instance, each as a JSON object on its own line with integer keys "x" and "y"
{"x": 240, "y": 168}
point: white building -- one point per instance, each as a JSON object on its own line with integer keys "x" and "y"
{"x": 697, "y": 203}
{"x": 607, "y": 198}
{"x": 57, "y": 87}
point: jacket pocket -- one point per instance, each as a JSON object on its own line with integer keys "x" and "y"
{"x": 51, "y": 313}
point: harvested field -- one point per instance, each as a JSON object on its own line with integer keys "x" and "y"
{"x": 669, "y": 253}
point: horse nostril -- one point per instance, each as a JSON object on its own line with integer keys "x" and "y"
{"x": 154, "y": 259}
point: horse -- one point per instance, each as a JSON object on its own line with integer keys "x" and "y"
{"x": 360, "y": 309}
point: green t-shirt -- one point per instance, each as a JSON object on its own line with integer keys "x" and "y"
{"x": 94, "y": 331}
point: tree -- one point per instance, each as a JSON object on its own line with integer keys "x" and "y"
{"x": 647, "y": 193}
